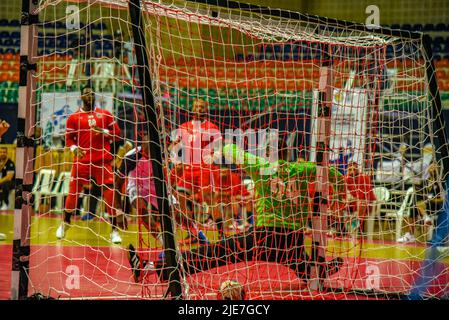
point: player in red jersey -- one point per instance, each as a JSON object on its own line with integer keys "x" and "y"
{"x": 231, "y": 195}
{"x": 199, "y": 140}
{"x": 360, "y": 194}
{"x": 89, "y": 135}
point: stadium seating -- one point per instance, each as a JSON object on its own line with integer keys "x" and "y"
{"x": 287, "y": 55}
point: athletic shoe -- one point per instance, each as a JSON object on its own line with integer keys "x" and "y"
{"x": 407, "y": 238}
{"x": 202, "y": 238}
{"x": 115, "y": 237}
{"x": 4, "y": 207}
{"x": 62, "y": 229}
{"x": 87, "y": 217}
{"x": 2, "y": 236}
{"x": 134, "y": 261}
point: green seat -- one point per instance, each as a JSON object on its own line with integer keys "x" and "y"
{"x": 59, "y": 87}
{"x": 212, "y": 93}
{"x": 202, "y": 92}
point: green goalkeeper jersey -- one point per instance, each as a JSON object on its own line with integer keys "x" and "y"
{"x": 282, "y": 188}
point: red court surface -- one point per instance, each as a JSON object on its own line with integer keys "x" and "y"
{"x": 105, "y": 274}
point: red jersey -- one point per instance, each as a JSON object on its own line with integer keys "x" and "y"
{"x": 360, "y": 187}
{"x": 198, "y": 138}
{"x": 232, "y": 184}
{"x": 79, "y": 132}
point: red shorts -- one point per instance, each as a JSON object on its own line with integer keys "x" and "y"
{"x": 197, "y": 179}
{"x": 233, "y": 185}
{"x": 83, "y": 173}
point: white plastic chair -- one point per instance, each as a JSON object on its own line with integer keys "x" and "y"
{"x": 382, "y": 196}
{"x": 403, "y": 212}
{"x": 43, "y": 186}
{"x": 61, "y": 189}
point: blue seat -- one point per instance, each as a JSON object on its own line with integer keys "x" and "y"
{"x": 239, "y": 57}
{"x": 287, "y": 56}
{"x": 418, "y": 27}
{"x": 61, "y": 43}
{"x": 15, "y": 34}
{"x": 395, "y": 26}
{"x": 107, "y": 45}
{"x": 8, "y": 42}
{"x": 4, "y": 34}
{"x": 407, "y": 27}
{"x": 60, "y": 25}
{"x": 441, "y": 27}
{"x": 429, "y": 27}
{"x": 437, "y": 48}
{"x": 50, "y": 42}
{"x": 438, "y": 40}
{"x": 14, "y": 23}
{"x": 16, "y": 43}
{"x": 288, "y": 48}
{"x": 277, "y": 48}
{"x": 48, "y": 24}
{"x": 250, "y": 57}
{"x": 4, "y": 22}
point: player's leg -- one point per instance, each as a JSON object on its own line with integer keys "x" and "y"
{"x": 237, "y": 248}
{"x": 216, "y": 209}
{"x": 94, "y": 195}
{"x": 146, "y": 214}
{"x": 184, "y": 214}
{"x": 287, "y": 247}
{"x": 79, "y": 177}
{"x": 103, "y": 175}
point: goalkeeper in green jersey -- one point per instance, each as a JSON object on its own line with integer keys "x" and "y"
{"x": 282, "y": 211}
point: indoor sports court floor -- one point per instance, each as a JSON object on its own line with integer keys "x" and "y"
{"x": 105, "y": 273}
